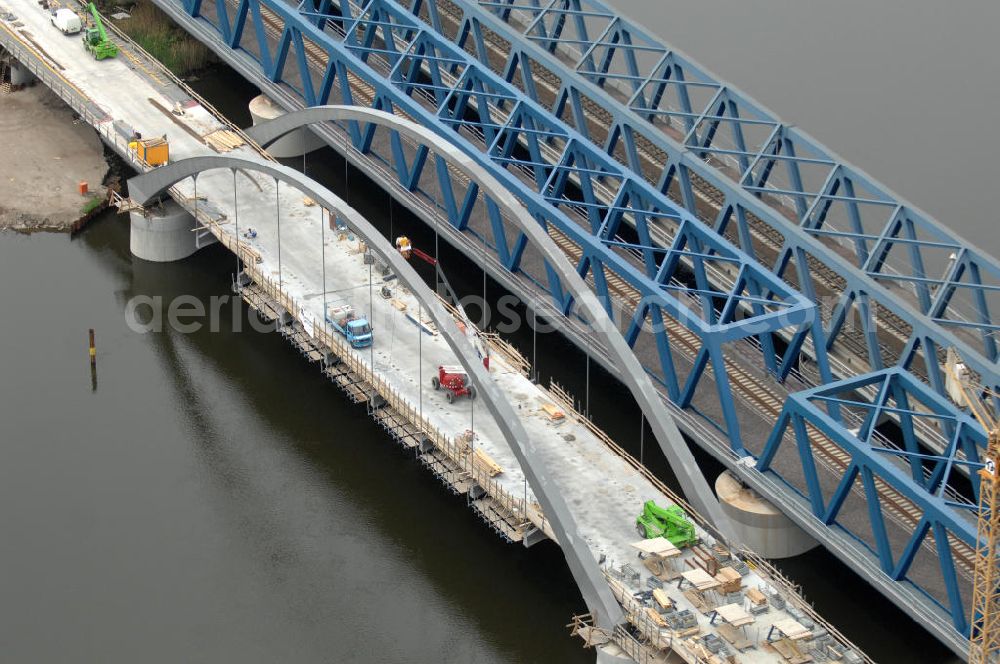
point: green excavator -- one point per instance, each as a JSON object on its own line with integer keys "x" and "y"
{"x": 669, "y": 522}
{"x": 95, "y": 40}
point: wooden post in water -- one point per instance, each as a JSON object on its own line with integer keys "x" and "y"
{"x": 93, "y": 362}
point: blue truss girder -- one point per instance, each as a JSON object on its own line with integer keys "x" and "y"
{"x": 920, "y": 477}
{"x": 412, "y": 70}
{"x": 822, "y": 207}
{"x": 436, "y": 102}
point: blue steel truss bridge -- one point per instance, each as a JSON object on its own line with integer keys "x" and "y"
{"x": 794, "y": 312}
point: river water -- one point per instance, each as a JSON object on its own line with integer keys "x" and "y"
{"x": 215, "y": 499}
{"x": 905, "y": 89}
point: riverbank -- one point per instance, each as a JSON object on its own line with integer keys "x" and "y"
{"x": 46, "y": 155}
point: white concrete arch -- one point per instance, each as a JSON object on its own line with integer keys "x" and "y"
{"x": 588, "y": 575}
{"x": 682, "y": 462}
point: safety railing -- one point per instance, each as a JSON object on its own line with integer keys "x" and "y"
{"x": 461, "y": 454}
{"x": 771, "y": 574}
{"x": 160, "y": 70}
{"x": 568, "y": 403}
{"x": 765, "y": 570}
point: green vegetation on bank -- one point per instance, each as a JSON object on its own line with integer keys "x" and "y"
{"x": 155, "y": 32}
{"x": 92, "y": 204}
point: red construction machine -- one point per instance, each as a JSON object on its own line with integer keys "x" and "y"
{"x": 455, "y": 381}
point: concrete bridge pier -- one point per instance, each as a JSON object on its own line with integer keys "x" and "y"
{"x": 19, "y": 74}
{"x": 12, "y": 69}
{"x": 294, "y": 144}
{"x": 759, "y": 525}
{"x": 163, "y": 233}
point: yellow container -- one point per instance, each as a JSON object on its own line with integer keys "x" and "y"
{"x": 153, "y": 151}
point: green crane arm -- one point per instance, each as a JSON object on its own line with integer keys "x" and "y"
{"x": 97, "y": 20}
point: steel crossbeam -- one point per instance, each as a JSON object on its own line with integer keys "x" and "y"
{"x": 548, "y": 165}
{"x": 742, "y": 170}
{"x": 922, "y": 483}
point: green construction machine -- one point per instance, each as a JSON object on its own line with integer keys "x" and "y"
{"x": 95, "y": 40}
{"x": 669, "y": 522}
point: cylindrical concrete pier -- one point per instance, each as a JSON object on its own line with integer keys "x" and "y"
{"x": 19, "y": 74}
{"x": 760, "y": 525}
{"x": 296, "y": 143}
{"x": 165, "y": 235}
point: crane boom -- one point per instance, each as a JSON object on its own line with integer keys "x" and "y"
{"x": 97, "y": 21}
{"x": 95, "y": 39}
{"x": 984, "y": 644}
{"x": 984, "y": 637}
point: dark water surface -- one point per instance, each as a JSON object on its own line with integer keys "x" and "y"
{"x": 217, "y": 500}
{"x": 907, "y": 90}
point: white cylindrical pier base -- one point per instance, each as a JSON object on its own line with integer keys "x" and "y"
{"x": 761, "y": 526}
{"x": 165, "y": 235}
{"x": 19, "y": 74}
{"x": 296, "y": 143}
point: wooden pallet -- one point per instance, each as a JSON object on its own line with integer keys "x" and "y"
{"x": 481, "y": 459}
{"x": 223, "y": 140}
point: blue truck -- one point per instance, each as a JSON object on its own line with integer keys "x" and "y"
{"x": 356, "y": 329}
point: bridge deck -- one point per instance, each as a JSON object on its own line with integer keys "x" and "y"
{"x": 605, "y": 487}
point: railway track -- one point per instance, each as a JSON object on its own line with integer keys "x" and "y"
{"x": 654, "y": 162}
{"x": 757, "y": 395}
{"x": 829, "y": 283}
{"x": 768, "y": 237}
{"x": 763, "y": 400}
